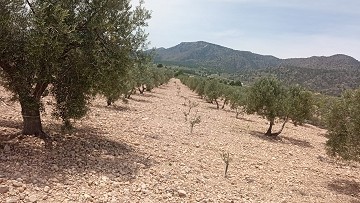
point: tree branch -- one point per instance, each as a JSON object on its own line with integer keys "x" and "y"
{"x": 31, "y": 7}
{"x": 39, "y": 89}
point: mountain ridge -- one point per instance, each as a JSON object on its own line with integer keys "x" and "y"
{"x": 196, "y": 54}
{"x": 326, "y": 74}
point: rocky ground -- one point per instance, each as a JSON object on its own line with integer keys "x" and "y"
{"x": 143, "y": 151}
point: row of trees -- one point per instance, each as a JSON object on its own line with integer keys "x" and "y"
{"x": 269, "y": 98}
{"x": 141, "y": 78}
{"x": 215, "y": 91}
{"x": 73, "y": 49}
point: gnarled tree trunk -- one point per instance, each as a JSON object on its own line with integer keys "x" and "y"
{"x": 269, "y": 131}
{"x": 30, "y": 110}
{"x": 217, "y": 104}
{"x": 225, "y": 101}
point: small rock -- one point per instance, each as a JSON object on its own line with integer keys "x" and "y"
{"x": 22, "y": 196}
{"x": 45, "y": 197}
{"x": 46, "y": 189}
{"x": 12, "y": 200}
{"x": 53, "y": 180}
{"x": 7, "y": 148}
{"x": 55, "y": 167}
{"x": 4, "y": 189}
{"x": 87, "y": 197}
{"x": 17, "y": 184}
{"x": 249, "y": 180}
{"x": 197, "y": 145}
{"x": 22, "y": 189}
{"x": 32, "y": 198}
{"x": 104, "y": 178}
{"x": 181, "y": 193}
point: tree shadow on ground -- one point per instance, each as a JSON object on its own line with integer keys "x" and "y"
{"x": 297, "y": 142}
{"x": 113, "y": 107}
{"x": 10, "y": 124}
{"x": 140, "y": 100}
{"x": 245, "y": 119}
{"x": 213, "y": 107}
{"x": 262, "y": 136}
{"x": 346, "y": 187}
{"x": 82, "y": 154}
{"x": 10, "y": 130}
{"x": 281, "y": 139}
{"x": 149, "y": 94}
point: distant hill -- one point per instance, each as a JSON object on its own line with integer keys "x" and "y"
{"x": 204, "y": 54}
{"x": 329, "y": 75}
{"x": 335, "y": 62}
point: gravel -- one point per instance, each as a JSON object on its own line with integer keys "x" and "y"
{"x": 143, "y": 151}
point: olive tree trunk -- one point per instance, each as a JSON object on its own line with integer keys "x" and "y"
{"x": 269, "y": 131}
{"x": 32, "y": 125}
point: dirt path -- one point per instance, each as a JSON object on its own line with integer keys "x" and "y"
{"x": 143, "y": 152}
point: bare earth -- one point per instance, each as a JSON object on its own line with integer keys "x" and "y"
{"x": 143, "y": 152}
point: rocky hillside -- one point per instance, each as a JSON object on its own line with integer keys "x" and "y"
{"x": 214, "y": 57}
{"x": 204, "y": 54}
{"x": 329, "y": 75}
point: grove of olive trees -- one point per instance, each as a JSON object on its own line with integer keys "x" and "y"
{"x": 73, "y": 49}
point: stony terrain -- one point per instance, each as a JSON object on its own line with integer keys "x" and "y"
{"x": 143, "y": 151}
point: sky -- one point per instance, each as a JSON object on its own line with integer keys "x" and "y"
{"x": 282, "y": 28}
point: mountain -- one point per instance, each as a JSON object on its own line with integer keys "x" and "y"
{"x": 204, "y": 54}
{"x": 335, "y": 62}
{"x": 329, "y": 75}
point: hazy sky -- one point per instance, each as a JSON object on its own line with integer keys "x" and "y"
{"x": 283, "y": 28}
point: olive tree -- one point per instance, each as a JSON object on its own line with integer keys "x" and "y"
{"x": 200, "y": 86}
{"x": 213, "y": 91}
{"x": 238, "y": 99}
{"x": 226, "y": 94}
{"x": 343, "y": 123}
{"x": 72, "y": 48}
{"x": 270, "y": 99}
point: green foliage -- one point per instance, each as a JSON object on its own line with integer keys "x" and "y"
{"x": 213, "y": 91}
{"x": 73, "y": 48}
{"x": 236, "y": 83}
{"x": 238, "y": 99}
{"x": 299, "y": 104}
{"x": 321, "y": 109}
{"x": 200, "y": 87}
{"x": 344, "y": 127}
{"x": 270, "y": 99}
{"x": 266, "y": 98}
